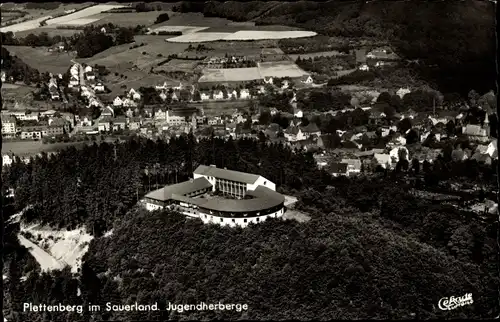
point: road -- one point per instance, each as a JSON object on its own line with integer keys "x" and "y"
{"x": 47, "y": 262}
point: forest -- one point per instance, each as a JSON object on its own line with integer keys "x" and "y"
{"x": 371, "y": 250}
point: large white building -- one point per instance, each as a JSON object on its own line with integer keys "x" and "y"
{"x": 221, "y": 196}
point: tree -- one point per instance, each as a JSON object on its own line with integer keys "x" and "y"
{"x": 404, "y": 125}
{"x": 265, "y": 118}
{"x": 384, "y": 97}
{"x": 162, "y": 18}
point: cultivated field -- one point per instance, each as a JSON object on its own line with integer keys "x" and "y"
{"x": 242, "y": 35}
{"x": 128, "y": 19}
{"x": 50, "y": 31}
{"x": 81, "y": 17}
{"x": 183, "y": 29}
{"x": 41, "y": 59}
{"x": 236, "y": 28}
{"x": 261, "y": 34}
{"x": 281, "y": 69}
{"x": 27, "y": 25}
{"x": 135, "y": 79}
{"x": 200, "y": 37}
{"x": 230, "y": 75}
{"x": 178, "y": 65}
{"x": 319, "y": 54}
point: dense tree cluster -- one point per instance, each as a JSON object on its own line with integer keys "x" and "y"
{"x": 19, "y": 70}
{"x": 370, "y": 249}
{"x": 162, "y": 18}
{"x": 42, "y": 5}
{"x": 327, "y": 65}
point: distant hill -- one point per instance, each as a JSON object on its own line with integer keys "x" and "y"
{"x": 455, "y": 39}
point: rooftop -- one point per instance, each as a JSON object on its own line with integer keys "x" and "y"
{"x": 179, "y": 189}
{"x": 232, "y": 175}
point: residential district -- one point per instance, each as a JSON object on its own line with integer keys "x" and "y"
{"x": 367, "y": 140}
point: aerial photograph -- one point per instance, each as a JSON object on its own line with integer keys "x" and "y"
{"x": 249, "y": 160}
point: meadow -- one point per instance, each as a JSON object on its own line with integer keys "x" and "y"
{"x": 41, "y": 59}
{"x": 25, "y": 148}
{"x": 178, "y": 65}
{"x": 82, "y": 16}
{"x": 281, "y": 69}
{"x": 51, "y": 31}
{"x": 230, "y": 75}
{"x": 129, "y": 19}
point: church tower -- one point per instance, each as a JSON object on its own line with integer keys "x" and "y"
{"x": 486, "y": 125}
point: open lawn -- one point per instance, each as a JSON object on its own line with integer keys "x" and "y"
{"x": 24, "y": 148}
{"x": 41, "y": 59}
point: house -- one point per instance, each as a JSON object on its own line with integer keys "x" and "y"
{"x": 163, "y": 96}
{"x": 218, "y": 95}
{"x": 56, "y": 127}
{"x": 134, "y": 123}
{"x": 383, "y": 159}
{"x": 175, "y": 120}
{"x": 94, "y": 102}
{"x": 338, "y": 169}
{"x": 307, "y": 79}
{"x": 311, "y": 129}
{"x": 478, "y": 132}
{"x": 402, "y": 92}
{"x": 285, "y": 85}
{"x": 399, "y": 152}
{"x": 161, "y": 114}
{"x": 376, "y": 117}
{"x": 107, "y": 112}
{"x": 268, "y": 80}
{"x": 492, "y": 150}
{"x": 134, "y": 95}
{"x": 353, "y": 165}
{"x": 204, "y": 96}
{"x": 117, "y": 101}
{"x": 60, "y": 122}
{"x": 54, "y": 93}
{"x": 364, "y": 67}
{"x": 73, "y": 81}
{"x": 8, "y": 126}
{"x": 294, "y": 133}
{"x": 119, "y": 123}
{"x": 174, "y": 97}
{"x": 129, "y": 103}
{"x": 178, "y": 88}
{"x": 90, "y": 76}
{"x": 244, "y": 94}
{"x": 104, "y": 124}
{"x": 84, "y": 121}
{"x": 33, "y": 132}
{"x": 88, "y": 69}
{"x": 99, "y": 87}
{"x": 163, "y": 87}
{"x": 129, "y": 112}
{"x": 298, "y": 113}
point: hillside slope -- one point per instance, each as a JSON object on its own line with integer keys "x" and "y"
{"x": 456, "y": 36}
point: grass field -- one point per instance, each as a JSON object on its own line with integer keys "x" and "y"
{"x": 123, "y": 55}
{"x": 129, "y": 19}
{"x": 82, "y": 16}
{"x": 183, "y": 29}
{"x": 193, "y": 19}
{"x": 15, "y": 92}
{"x": 230, "y": 75}
{"x": 41, "y": 59}
{"x": 318, "y": 54}
{"x": 178, "y": 65}
{"x": 36, "y": 15}
{"x": 50, "y": 31}
{"x": 200, "y": 37}
{"x": 233, "y": 29}
{"x": 219, "y": 108}
{"x": 24, "y": 148}
{"x": 281, "y": 69}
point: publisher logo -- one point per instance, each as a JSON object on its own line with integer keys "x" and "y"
{"x": 451, "y": 303}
